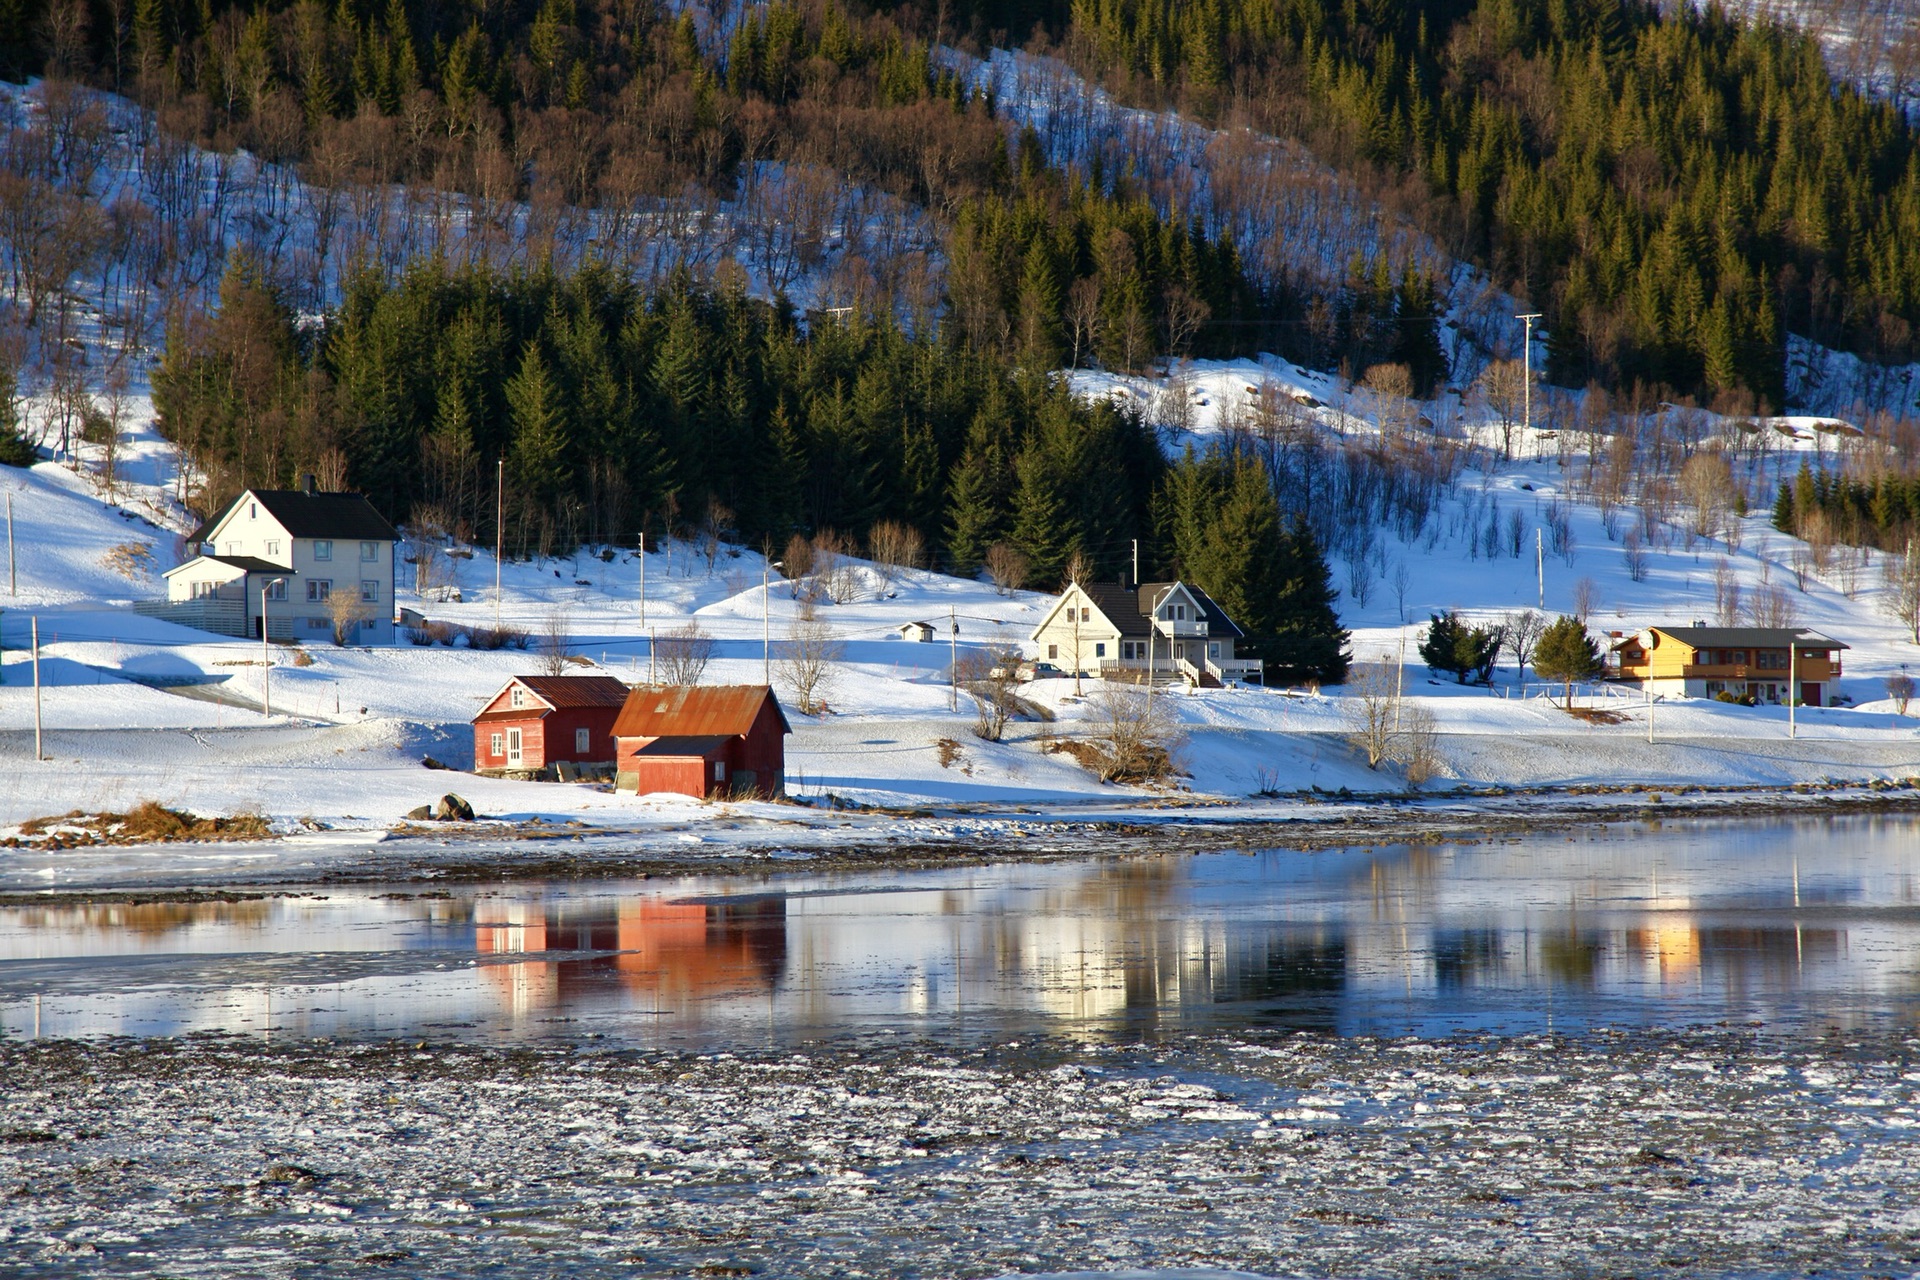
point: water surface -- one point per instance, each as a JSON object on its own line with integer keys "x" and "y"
{"x": 1800, "y": 925}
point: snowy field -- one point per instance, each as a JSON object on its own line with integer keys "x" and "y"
{"x": 1707, "y": 1153}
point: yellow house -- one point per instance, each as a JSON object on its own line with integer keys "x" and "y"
{"x": 1761, "y": 662}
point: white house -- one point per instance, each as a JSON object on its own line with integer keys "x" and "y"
{"x": 1117, "y": 631}
{"x": 301, "y": 547}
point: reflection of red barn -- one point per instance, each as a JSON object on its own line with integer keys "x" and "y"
{"x": 702, "y": 740}
{"x": 538, "y": 722}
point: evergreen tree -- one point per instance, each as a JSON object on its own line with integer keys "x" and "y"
{"x": 1308, "y": 641}
{"x": 1567, "y": 653}
{"x": 538, "y": 417}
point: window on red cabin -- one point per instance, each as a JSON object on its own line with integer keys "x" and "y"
{"x": 496, "y": 745}
{"x": 581, "y": 740}
{"x": 719, "y": 771}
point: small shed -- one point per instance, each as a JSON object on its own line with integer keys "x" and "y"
{"x": 918, "y": 631}
{"x": 701, "y": 740}
{"x": 536, "y": 724}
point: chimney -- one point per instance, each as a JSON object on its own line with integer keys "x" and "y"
{"x": 306, "y": 483}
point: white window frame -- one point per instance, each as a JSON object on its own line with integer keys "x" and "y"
{"x": 323, "y": 548}
{"x": 369, "y": 591}
{"x": 517, "y": 698}
{"x": 497, "y": 746}
{"x": 516, "y": 747}
{"x": 277, "y": 589}
{"x": 319, "y": 590}
{"x": 273, "y": 547}
{"x": 369, "y": 552}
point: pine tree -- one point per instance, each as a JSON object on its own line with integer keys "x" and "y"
{"x": 1567, "y": 653}
{"x": 1308, "y": 643}
{"x": 1039, "y": 516}
{"x": 538, "y": 418}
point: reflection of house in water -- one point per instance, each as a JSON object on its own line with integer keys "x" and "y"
{"x": 675, "y": 953}
{"x": 1117, "y": 947}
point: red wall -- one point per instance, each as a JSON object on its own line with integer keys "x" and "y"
{"x": 537, "y": 730}
{"x": 761, "y": 749}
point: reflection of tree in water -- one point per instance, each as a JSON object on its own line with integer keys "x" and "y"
{"x": 1572, "y": 958}
{"x": 1462, "y": 957}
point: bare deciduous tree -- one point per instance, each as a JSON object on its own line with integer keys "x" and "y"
{"x": 347, "y": 611}
{"x": 680, "y": 656}
{"x": 1417, "y": 746}
{"x": 806, "y": 663}
{"x": 556, "y": 646}
{"x": 1634, "y": 552}
{"x": 1901, "y": 574}
{"x": 1586, "y": 598}
{"x": 1501, "y": 388}
{"x": 1008, "y": 568}
{"x": 1134, "y": 736}
{"x": 1770, "y": 606}
{"x": 1370, "y": 708}
{"x": 990, "y": 678}
{"x": 894, "y": 546}
{"x": 1706, "y": 481}
{"x": 1900, "y": 689}
{"x": 1522, "y": 631}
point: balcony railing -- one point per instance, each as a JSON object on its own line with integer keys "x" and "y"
{"x": 1181, "y": 630}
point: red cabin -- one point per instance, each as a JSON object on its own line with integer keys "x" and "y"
{"x": 536, "y": 723}
{"x": 702, "y": 740}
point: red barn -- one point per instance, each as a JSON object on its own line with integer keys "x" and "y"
{"x": 538, "y": 722}
{"x": 702, "y": 740}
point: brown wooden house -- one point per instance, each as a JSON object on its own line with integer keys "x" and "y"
{"x": 702, "y": 740}
{"x": 538, "y": 723}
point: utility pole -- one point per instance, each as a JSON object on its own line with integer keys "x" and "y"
{"x": 38, "y": 754}
{"x": 766, "y": 627}
{"x": 1540, "y": 566}
{"x": 953, "y": 659}
{"x": 643, "y": 578}
{"x": 1793, "y": 683}
{"x": 499, "y": 531}
{"x": 1136, "y": 564}
{"x": 1649, "y": 689}
{"x": 1526, "y": 384}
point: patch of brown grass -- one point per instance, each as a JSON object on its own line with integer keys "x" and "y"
{"x": 1596, "y": 715}
{"x": 148, "y": 822}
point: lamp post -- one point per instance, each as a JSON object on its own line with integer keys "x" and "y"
{"x": 266, "y": 654}
{"x": 766, "y": 625}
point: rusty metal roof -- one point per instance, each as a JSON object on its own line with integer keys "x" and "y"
{"x": 695, "y": 711}
{"x": 577, "y": 691}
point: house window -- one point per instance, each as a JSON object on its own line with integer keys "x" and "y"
{"x": 1213, "y": 649}
{"x": 1053, "y": 651}
{"x": 233, "y": 548}
{"x": 202, "y": 590}
{"x": 496, "y": 745}
{"x": 318, "y": 590}
{"x": 369, "y": 552}
{"x": 517, "y": 698}
{"x": 323, "y": 549}
{"x": 277, "y": 589}
{"x": 581, "y": 741}
{"x": 1632, "y": 655}
{"x": 369, "y": 591}
{"x": 1086, "y": 615}
{"x": 719, "y": 771}
{"x": 1100, "y": 650}
{"x": 1715, "y": 687}
{"x": 253, "y": 512}
{"x": 273, "y": 548}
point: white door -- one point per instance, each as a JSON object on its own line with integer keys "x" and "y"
{"x": 513, "y": 747}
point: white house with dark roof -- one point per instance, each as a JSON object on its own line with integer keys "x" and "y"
{"x": 1152, "y": 629}
{"x": 300, "y": 547}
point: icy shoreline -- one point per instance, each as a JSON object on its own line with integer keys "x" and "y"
{"x": 1713, "y": 1151}
{"x": 764, "y": 840}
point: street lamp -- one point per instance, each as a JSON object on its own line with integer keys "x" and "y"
{"x": 766, "y": 626}
{"x": 266, "y": 658}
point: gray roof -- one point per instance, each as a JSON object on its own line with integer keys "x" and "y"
{"x": 700, "y": 745}
{"x": 246, "y": 564}
{"x": 346, "y": 516}
{"x": 1748, "y": 637}
{"x": 1129, "y": 608}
